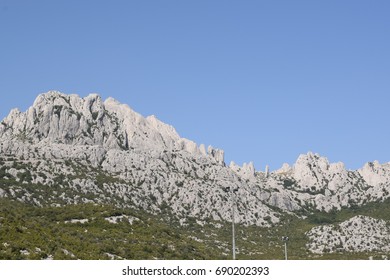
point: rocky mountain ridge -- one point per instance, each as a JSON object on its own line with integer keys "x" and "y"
{"x": 57, "y": 118}
{"x": 86, "y": 149}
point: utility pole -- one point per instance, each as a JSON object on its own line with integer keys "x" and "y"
{"x": 232, "y": 191}
{"x": 285, "y": 239}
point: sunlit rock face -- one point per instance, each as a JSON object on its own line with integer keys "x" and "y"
{"x": 153, "y": 167}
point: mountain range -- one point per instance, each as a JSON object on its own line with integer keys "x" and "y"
{"x": 67, "y": 150}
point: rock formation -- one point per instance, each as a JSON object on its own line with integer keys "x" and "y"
{"x": 87, "y": 149}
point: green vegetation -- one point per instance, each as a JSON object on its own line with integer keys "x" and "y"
{"x": 377, "y": 210}
{"x": 29, "y": 232}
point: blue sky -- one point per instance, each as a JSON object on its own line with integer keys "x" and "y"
{"x": 264, "y": 80}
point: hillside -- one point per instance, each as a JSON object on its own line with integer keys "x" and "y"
{"x": 115, "y": 173}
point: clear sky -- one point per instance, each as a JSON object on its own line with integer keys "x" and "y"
{"x": 264, "y": 80}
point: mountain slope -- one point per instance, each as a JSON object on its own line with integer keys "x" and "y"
{"x": 67, "y": 150}
{"x": 149, "y": 164}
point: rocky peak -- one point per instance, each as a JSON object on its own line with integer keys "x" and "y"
{"x": 247, "y": 171}
{"x": 217, "y": 154}
{"x": 314, "y": 172}
{"x": 310, "y": 170}
{"x": 69, "y": 119}
{"x": 285, "y": 169}
{"x": 311, "y": 161}
{"x": 375, "y": 174}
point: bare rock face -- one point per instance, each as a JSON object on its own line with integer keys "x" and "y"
{"x": 310, "y": 171}
{"x": 314, "y": 172}
{"x": 57, "y": 118}
{"x": 247, "y": 171}
{"x": 375, "y": 174}
{"x": 151, "y": 166}
{"x": 217, "y": 155}
{"x": 313, "y": 181}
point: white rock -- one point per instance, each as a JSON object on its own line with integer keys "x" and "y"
{"x": 358, "y": 234}
{"x": 154, "y": 165}
{"x": 375, "y": 174}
